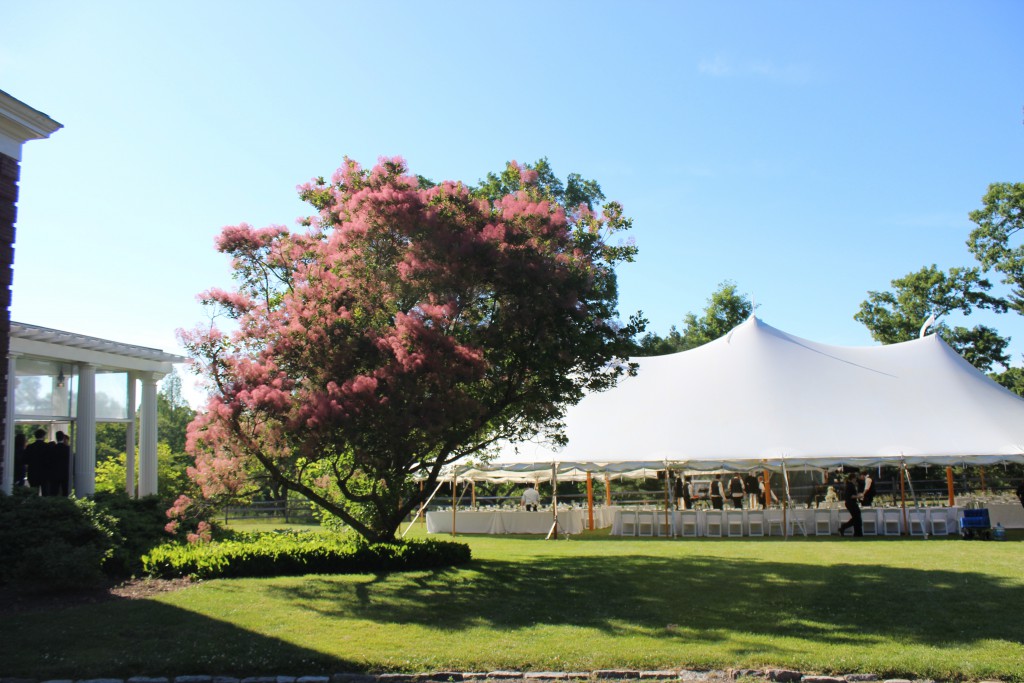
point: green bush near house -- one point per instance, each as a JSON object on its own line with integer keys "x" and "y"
{"x": 62, "y": 544}
{"x": 298, "y": 553}
{"x": 54, "y": 544}
{"x": 139, "y": 525}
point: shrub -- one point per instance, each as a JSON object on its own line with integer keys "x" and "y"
{"x": 54, "y": 544}
{"x": 140, "y": 528}
{"x": 294, "y": 554}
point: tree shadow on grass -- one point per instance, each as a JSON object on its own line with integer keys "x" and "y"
{"x": 124, "y": 638}
{"x": 709, "y": 598}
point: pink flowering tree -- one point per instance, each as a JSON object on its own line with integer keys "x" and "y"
{"x": 409, "y": 325}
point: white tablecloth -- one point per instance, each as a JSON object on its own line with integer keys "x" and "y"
{"x": 504, "y": 522}
{"x": 466, "y": 522}
{"x": 1011, "y": 516}
{"x": 603, "y": 516}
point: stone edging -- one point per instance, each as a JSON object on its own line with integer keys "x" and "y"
{"x": 604, "y": 675}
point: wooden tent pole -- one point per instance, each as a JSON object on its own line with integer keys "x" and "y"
{"x": 607, "y": 490}
{"x": 949, "y": 486}
{"x": 472, "y": 488}
{"x": 422, "y": 503}
{"x": 590, "y": 502}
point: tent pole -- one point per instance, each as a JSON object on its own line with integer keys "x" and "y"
{"x": 917, "y": 504}
{"x": 667, "y": 496}
{"x": 607, "y": 490}
{"x": 590, "y": 502}
{"x": 949, "y": 486}
{"x": 455, "y": 501}
{"x": 789, "y": 503}
{"x": 423, "y": 506}
{"x": 553, "y": 532}
{"x": 767, "y": 489}
{"x": 903, "y": 494}
{"x": 472, "y": 497}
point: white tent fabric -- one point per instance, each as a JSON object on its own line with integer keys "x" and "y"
{"x": 759, "y": 397}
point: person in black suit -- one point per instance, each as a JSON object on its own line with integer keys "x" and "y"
{"x": 36, "y": 459}
{"x": 58, "y": 464}
{"x": 750, "y": 486}
{"x": 851, "y": 497}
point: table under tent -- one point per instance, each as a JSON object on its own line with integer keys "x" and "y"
{"x": 761, "y": 400}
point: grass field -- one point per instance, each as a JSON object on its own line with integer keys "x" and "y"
{"x": 945, "y": 609}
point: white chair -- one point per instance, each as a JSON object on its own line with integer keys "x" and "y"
{"x": 917, "y": 520}
{"x": 938, "y": 519}
{"x": 689, "y": 524}
{"x": 734, "y": 523}
{"x": 869, "y": 516}
{"x": 795, "y": 522}
{"x": 645, "y": 522}
{"x": 891, "y": 522}
{"x": 713, "y": 523}
{"x": 822, "y": 522}
{"x": 772, "y": 521}
{"x": 628, "y": 523}
{"x": 843, "y": 516}
{"x": 755, "y": 523}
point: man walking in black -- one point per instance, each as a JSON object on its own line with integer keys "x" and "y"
{"x": 850, "y": 497}
{"x": 36, "y": 460}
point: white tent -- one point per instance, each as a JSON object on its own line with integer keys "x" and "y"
{"x": 760, "y": 398}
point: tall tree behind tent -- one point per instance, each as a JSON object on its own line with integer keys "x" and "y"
{"x": 726, "y": 308}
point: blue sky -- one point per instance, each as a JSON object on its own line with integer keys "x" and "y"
{"x": 808, "y": 151}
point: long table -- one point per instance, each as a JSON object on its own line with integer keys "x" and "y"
{"x": 570, "y": 521}
{"x": 799, "y": 521}
{"x": 1010, "y": 515}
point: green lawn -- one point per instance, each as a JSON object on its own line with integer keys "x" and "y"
{"x": 937, "y": 608}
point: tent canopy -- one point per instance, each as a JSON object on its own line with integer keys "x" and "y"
{"x": 761, "y": 398}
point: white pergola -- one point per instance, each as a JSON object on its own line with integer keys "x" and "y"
{"x": 65, "y": 379}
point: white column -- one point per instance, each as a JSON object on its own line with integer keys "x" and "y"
{"x": 129, "y": 442}
{"x": 7, "y": 485}
{"x": 85, "y": 432}
{"x": 147, "y": 435}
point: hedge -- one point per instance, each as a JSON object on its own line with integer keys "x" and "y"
{"x": 298, "y": 553}
{"x": 54, "y": 543}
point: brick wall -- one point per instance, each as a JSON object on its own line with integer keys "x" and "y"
{"x": 8, "y": 213}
